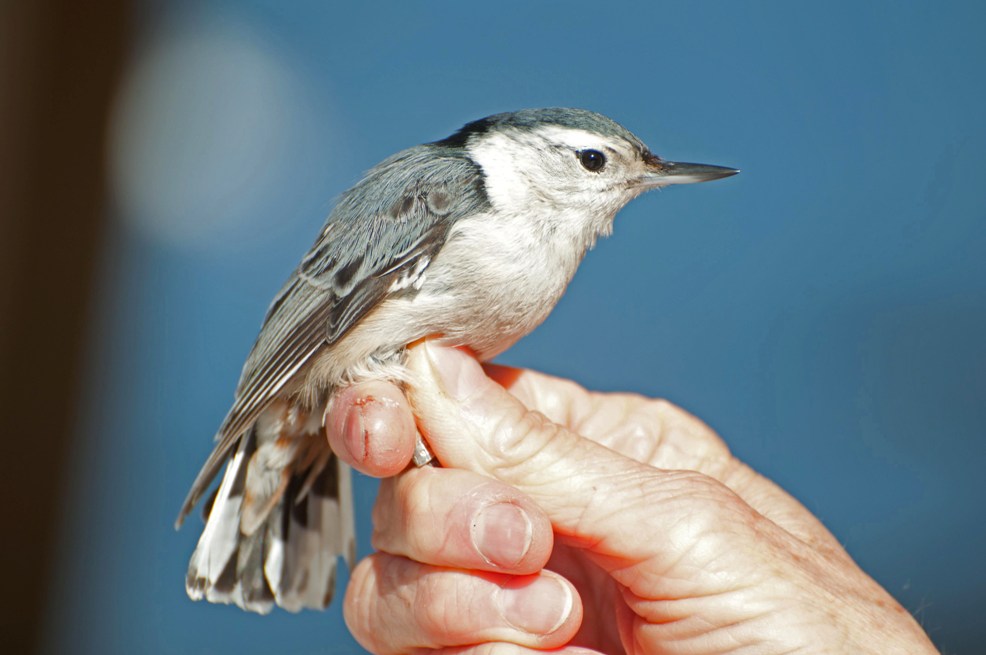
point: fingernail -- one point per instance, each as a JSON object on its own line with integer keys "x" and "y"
{"x": 460, "y": 375}
{"x": 502, "y": 533}
{"x": 354, "y": 433}
{"x": 540, "y": 607}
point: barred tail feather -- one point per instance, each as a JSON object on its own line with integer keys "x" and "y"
{"x": 209, "y": 572}
{"x": 313, "y": 529}
{"x": 288, "y": 557}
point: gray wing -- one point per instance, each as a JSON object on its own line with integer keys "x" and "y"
{"x": 385, "y": 230}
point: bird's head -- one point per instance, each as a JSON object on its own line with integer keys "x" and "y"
{"x": 568, "y": 162}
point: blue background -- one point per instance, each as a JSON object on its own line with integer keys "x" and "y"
{"x": 825, "y": 311}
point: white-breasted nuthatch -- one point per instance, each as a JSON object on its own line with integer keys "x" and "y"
{"x": 473, "y": 238}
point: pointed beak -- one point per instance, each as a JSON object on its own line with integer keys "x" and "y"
{"x": 663, "y": 173}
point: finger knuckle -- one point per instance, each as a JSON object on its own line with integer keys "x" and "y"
{"x": 520, "y": 438}
{"x": 707, "y": 511}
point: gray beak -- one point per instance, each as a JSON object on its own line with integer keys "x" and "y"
{"x": 662, "y": 173}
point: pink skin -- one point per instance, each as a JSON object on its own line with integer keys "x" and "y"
{"x": 659, "y": 542}
{"x": 371, "y": 428}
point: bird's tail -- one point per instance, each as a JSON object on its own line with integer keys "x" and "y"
{"x": 279, "y": 521}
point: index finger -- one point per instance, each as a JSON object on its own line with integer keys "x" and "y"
{"x": 548, "y": 461}
{"x": 663, "y": 435}
{"x": 654, "y": 432}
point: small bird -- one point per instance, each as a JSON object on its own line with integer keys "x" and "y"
{"x": 473, "y": 238}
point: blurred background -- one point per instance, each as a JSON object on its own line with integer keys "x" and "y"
{"x": 164, "y": 165}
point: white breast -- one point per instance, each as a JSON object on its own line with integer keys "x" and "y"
{"x": 501, "y": 276}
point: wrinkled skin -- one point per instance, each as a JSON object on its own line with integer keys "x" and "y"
{"x": 585, "y": 522}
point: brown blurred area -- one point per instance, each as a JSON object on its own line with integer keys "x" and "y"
{"x": 59, "y": 66}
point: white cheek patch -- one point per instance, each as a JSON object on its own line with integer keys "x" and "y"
{"x": 497, "y": 154}
{"x": 515, "y": 164}
{"x": 523, "y": 174}
{"x": 505, "y": 160}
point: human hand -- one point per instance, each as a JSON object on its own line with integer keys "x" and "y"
{"x": 443, "y": 535}
{"x": 672, "y": 544}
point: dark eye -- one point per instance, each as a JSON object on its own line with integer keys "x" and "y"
{"x": 592, "y": 160}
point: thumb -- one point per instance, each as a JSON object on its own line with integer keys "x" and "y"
{"x": 471, "y": 422}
